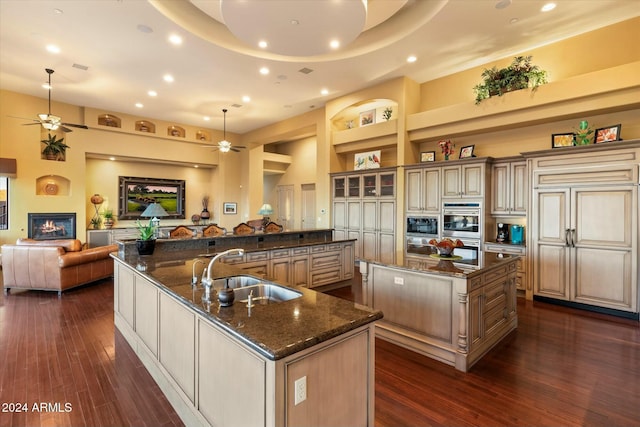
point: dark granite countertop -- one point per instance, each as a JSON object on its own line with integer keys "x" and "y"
{"x": 447, "y": 267}
{"x": 274, "y": 330}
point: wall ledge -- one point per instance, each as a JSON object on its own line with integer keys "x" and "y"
{"x": 605, "y": 91}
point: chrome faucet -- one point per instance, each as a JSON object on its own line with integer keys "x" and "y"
{"x": 207, "y": 282}
{"x": 194, "y": 278}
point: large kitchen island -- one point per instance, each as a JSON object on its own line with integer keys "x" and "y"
{"x": 447, "y": 311}
{"x": 303, "y": 361}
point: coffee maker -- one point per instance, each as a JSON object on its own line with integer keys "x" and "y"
{"x": 503, "y": 233}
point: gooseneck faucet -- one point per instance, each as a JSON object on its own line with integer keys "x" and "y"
{"x": 208, "y": 281}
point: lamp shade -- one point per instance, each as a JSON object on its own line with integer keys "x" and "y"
{"x": 154, "y": 210}
{"x": 266, "y": 209}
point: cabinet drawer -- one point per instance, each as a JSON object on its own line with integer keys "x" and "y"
{"x": 327, "y": 260}
{"x": 494, "y": 296}
{"x": 257, "y": 256}
{"x": 233, "y": 259}
{"x": 521, "y": 281}
{"x": 318, "y": 248}
{"x": 504, "y": 249}
{"x": 334, "y": 247}
{"x": 279, "y": 253}
{"x": 300, "y": 251}
{"x": 521, "y": 265}
{"x": 326, "y": 276}
{"x": 493, "y": 319}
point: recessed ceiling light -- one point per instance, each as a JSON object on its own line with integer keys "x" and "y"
{"x": 168, "y": 78}
{"x": 51, "y": 48}
{"x": 262, "y": 44}
{"x": 324, "y": 92}
{"x": 246, "y": 98}
{"x": 112, "y": 158}
{"x": 547, "y": 7}
{"x": 294, "y": 22}
{"x": 513, "y": 20}
{"x": 152, "y": 93}
{"x": 196, "y": 166}
{"x": 139, "y": 105}
{"x": 46, "y": 86}
{"x": 206, "y": 118}
{"x": 411, "y": 58}
{"x": 58, "y": 11}
{"x": 264, "y": 71}
{"x": 501, "y": 4}
{"x": 175, "y": 39}
{"x": 334, "y": 44}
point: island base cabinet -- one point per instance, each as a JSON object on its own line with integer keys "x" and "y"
{"x": 231, "y": 385}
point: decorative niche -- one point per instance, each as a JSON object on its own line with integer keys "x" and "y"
{"x": 145, "y": 126}
{"x": 53, "y": 185}
{"x": 109, "y": 120}
{"x": 202, "y": 135}
{"x": 176, "y": 131}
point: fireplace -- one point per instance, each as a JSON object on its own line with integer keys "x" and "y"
{"x": 49, "y": 226}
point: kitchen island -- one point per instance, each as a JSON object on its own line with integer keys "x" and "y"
{"x": 305, "y": 361}
{"x": 447, "y": 311}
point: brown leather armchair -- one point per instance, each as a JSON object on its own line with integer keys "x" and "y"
{"x": 54, "y": 265}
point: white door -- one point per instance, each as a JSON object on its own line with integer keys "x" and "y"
{"x": 308, "y": 206}
{"x": 285, "y": 206}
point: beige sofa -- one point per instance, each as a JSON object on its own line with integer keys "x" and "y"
{"x": 54, "y": 265}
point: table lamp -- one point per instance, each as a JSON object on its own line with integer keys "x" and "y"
{"x": 154, "y": 211}
{"x": 265, "y": 211}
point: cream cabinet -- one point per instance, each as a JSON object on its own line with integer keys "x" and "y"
{"x": 464, "y": 180}
{"x": 509, "y": 188}
{"x": 422, "y": 189}
{"x": 583, "y": 230}
{"x": 521, "y": 270}
{"x": 364, "y": 209}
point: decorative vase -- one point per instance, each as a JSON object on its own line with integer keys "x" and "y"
{"x": 108, "y": 223}
{"x": 446, "y": 157}
{"x": 205, "y": 215}
{"x": 146, "y": 247}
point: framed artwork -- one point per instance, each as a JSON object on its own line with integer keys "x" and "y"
{"x": 608, "y": 134}
{"x": 368, "y": 160}
{"x": 229, "y": 208}
{"x": 428, "y": 156}
{"x": 466, "y": 152}
{"x": 367, "y": 118}
{"x": 562, "y": 139}
{"x": 137, "y": 193}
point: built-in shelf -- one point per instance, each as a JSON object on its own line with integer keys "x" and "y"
{"x": 275, "y": 164}
{"x": 381, "y": 134}
{"x": 606, "y": 91}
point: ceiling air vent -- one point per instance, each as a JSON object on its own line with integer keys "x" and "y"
{"x": 305, "y": 70}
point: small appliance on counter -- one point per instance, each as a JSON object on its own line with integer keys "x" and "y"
{"x": 503, "y": 233}
{"x": 517, "y": 234}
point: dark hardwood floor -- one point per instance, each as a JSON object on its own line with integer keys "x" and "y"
{"x": 562, "y": 367}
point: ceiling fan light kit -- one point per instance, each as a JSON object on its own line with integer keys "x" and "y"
{"x": 225, "y": 146}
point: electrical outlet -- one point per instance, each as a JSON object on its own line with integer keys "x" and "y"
{"x": 398, "y": 280}
{"x": 300, "y": 390}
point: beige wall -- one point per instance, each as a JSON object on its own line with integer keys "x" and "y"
{"x": 238, "y": 177}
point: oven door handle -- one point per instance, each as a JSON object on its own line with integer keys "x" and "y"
{"x": 463, "y": 213}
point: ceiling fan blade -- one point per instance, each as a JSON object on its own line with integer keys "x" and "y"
{"x": 35, "y": 122}
{"x": 65, "y": 129}
{"x": 240, "y": 146}
{"x": 234, "y": 149}
{"x": 24, "y": 118}
{"x": 75, "y": 126}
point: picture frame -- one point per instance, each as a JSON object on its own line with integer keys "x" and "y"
{"x": 427, "y": 156}
{"x": 562, "y": 139}
{"x": 466, "y": 152}
{"x": 607, "y": 134}
{"x": 135, "y": 194}
{"x": 367, "y": 118}
{"x": 229, "y": 208}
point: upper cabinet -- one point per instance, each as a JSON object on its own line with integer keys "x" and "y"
{"x": 509, "y": 191}
{"x": 465, "y": 179}
{"x": 422, "y": 189}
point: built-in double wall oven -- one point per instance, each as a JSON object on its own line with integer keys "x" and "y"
{"x": 462, "y": 220}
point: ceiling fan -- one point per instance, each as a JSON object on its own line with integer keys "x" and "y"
{"x": 49, "y": 121}
{"x": 224, "y": 146}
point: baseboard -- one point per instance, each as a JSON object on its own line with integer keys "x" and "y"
{"x": 587, "y": 307}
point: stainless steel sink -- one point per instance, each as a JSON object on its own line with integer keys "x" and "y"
{"x": 235, "y": 282}
{"x": 265, "y": 293}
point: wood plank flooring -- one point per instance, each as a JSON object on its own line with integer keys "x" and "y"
{"x": 562, "y": 367}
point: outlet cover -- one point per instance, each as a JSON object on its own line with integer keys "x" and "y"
{"x": 300, "y": 391}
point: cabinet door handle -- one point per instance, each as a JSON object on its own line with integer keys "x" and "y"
{"x": 566, "y": 237}
{"x": 573, "y": 238}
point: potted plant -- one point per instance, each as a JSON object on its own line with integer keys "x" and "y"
{"x": 520, "y": 74}
{"x": 583, "y": 133}
{"x": 54, "y": 149}
{"x": 96, "y": 222}
{"x": 108, "y": 218}
{"x": 146, "y": 242}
